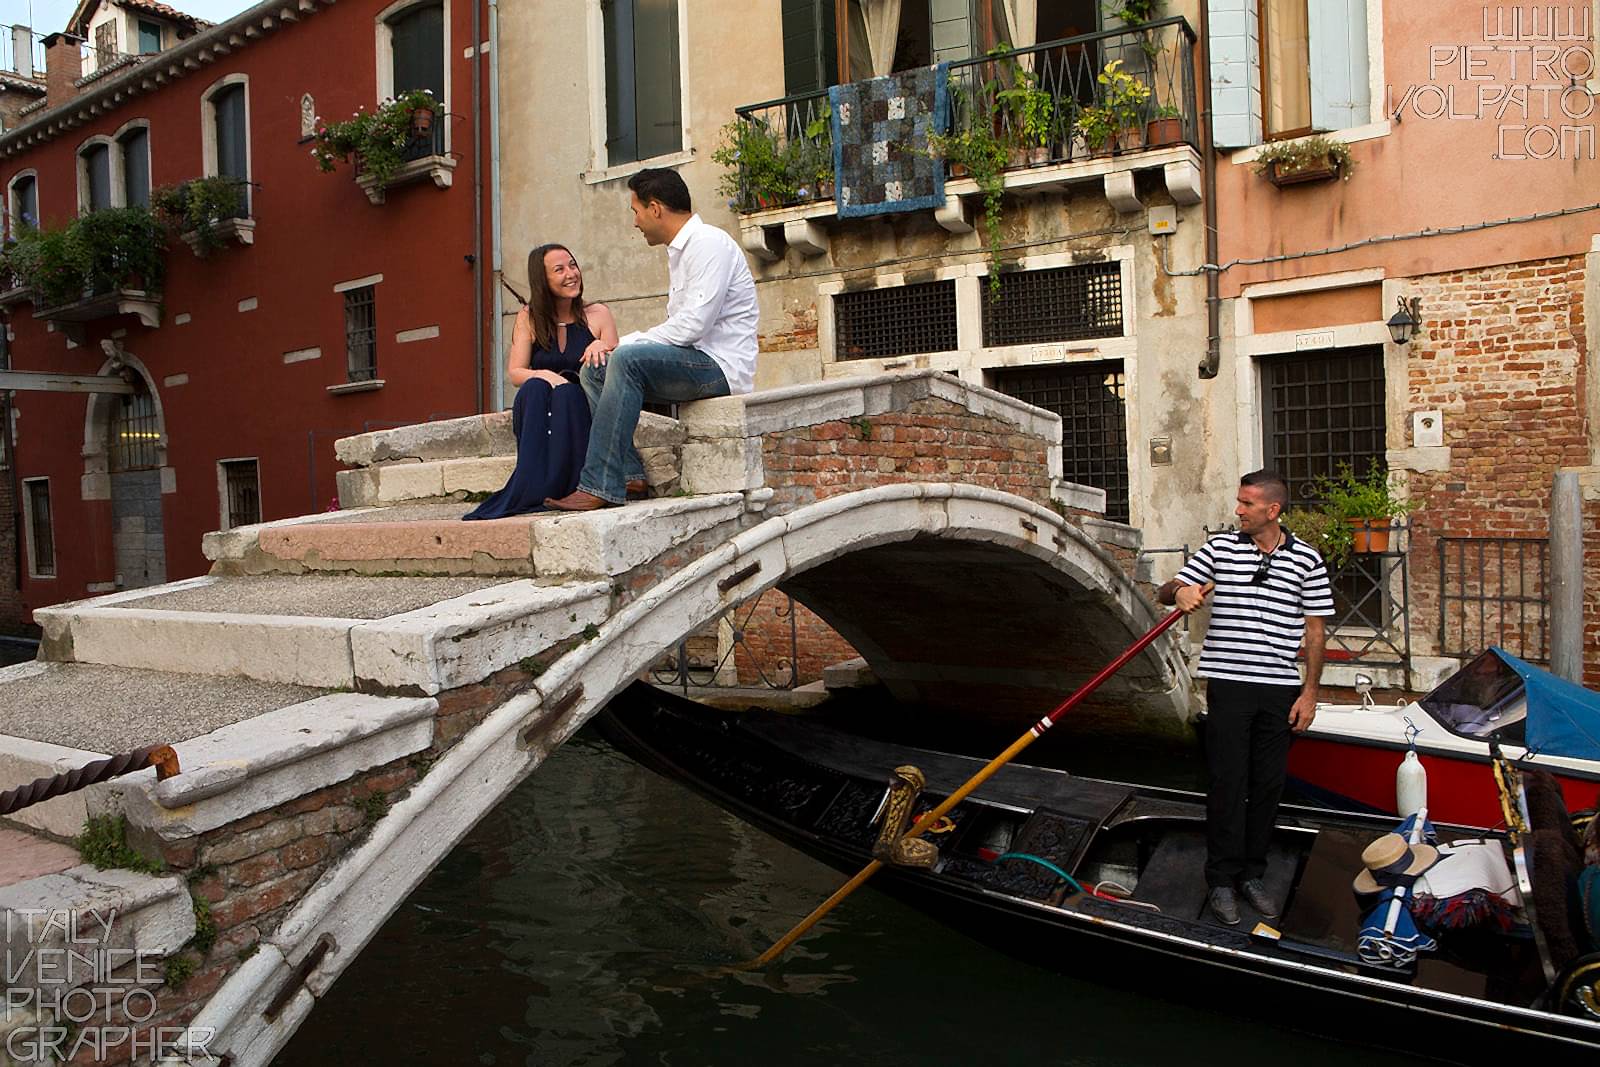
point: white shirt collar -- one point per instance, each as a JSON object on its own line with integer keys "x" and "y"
{"x": 681, "y": 238}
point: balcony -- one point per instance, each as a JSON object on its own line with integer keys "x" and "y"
{"x": 1091, "y": 109}
{"x": 425, "y": 160}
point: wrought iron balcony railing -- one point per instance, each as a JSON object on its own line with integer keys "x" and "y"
{"x": 1099, "y": 94}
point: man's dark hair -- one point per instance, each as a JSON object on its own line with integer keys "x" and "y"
{"x": 1271, "y": 483}
{"x": 663, "y": 186}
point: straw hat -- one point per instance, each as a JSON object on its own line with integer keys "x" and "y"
{"x": 1390, "y": 859}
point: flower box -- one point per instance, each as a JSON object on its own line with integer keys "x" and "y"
{"x": 1323, "y": 170}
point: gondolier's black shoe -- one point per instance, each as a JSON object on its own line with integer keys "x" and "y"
{"x": 1223, "y": 906}
{"x": 1256, "y": 894}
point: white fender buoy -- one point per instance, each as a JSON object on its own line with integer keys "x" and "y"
{"x": 1410, "y": 785}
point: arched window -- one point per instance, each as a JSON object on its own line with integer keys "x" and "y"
{"x": 24, "y": 202}
{"x": 226, "y": 133}
{"x": 94, "y": 176}
{"x": 413, "y": 51}
{"x": 133, "y": 146}
{"x": 135, "y": 433}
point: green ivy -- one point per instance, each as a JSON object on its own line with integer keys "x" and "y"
{"x": 376, "y": 139}
{"x": 114, "y": 248}
{"x": 104, "y": 843}
{"x": 198, "y": 207}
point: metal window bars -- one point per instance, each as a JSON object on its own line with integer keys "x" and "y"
{"x": 135, "y": 433}
{"x": 361, "y": 334}
{"x": 243, "y": 481}
{"x": 895, "y": 320}
{"x": 1055, "y": 304}
{"x": 1046, "y": 103}
{"x": 1493, "y": 590}
{"x": 1091, "y": 399}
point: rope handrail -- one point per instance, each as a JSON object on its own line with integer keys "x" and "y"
{"x": 161, "y": 757}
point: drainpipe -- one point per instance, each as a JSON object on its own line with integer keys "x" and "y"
{"x": 494, "y": 198}
{"x": 477, "y": 197}
{"x": 1566, "y": 577}
{"x": 1208, "y": 177}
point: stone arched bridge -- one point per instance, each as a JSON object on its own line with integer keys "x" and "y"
{"x": 351, "y": 692}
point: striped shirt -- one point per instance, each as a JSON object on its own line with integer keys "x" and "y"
{"x": 1256, "y": 630}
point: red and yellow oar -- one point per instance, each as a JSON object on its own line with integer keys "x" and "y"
{"x": 1035, "y": 732}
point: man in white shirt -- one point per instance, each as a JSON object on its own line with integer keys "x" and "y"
{"x": 706, "y": 348}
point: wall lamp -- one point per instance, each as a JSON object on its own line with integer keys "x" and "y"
{"x": 1403, "y": 324}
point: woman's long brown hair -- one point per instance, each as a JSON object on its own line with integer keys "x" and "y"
{"x": 542, "y": 302}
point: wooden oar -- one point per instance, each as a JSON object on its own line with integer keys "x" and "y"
{"x": 1035, "y": 732}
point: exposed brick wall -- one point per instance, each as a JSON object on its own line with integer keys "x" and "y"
{"x": 931, "y": 441}
{"x": 1501, "y": 355}
{"x": 767, "y": 648}
{"x": 801, "y": 331}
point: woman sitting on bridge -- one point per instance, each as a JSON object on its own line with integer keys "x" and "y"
{"x": 550, "y": 417}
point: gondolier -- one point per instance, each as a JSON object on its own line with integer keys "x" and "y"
{"x": 1271, "y": 592}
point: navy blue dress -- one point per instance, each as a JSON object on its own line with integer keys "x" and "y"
{"x": 551, "y": 425}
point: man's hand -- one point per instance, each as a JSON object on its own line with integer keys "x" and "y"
{"x": 595, "y": 355}
{"x": 1304, "y": 710}
{"x": 1189, "y": 597}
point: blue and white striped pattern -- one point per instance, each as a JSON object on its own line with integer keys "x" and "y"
{"x": 1256, "y": 630}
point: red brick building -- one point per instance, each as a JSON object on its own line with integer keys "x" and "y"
{"x": 333, "y": 306}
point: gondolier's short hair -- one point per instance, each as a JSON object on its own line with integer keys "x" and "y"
{"x": 662, "y": 185}
{"x": 1269, "y": 482}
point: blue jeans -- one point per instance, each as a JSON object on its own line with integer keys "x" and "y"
{"x": 643, "y": 370}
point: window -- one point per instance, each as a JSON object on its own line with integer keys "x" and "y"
{"x": 1288, "y": 68}
{"x": 94, "y": 177}
{"x": 40, "y": 530}
{"x": 1058, "y": 304}
{"x": 361, "y": 333}
{"x": 240, "y": 482}
{"x": 810, "y": 46}
{"x": 895, "y": 321}
{"x": 105, "y": 43}
{"x": 149, "y": 37}
{"x": 1091, "y": 399}
{"x": 227, "y": 135}
{"x": 24, "y": 202}
{"x": 417, "y": 49}
{"x": 134, "y": 149}
{"x": 643, "y": 91}
{"x": 135, "y": 433}
{"x": 1323, "y": 409}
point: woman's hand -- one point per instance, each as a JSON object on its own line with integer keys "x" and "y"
{"x": 595, "y": 355}
{"x": 523, "y": 328}
{"x": 548, "y": 376}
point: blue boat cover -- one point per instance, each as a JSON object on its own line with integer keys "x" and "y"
{"x": 1563, "y": 718}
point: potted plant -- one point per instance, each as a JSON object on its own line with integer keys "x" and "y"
{"x": 1123, "y": 98}
{"x": 1030, "y": 112}
{"x": 1365, "y": 503}
{"x": 758, "y": 172}
{"x": 1324, "y": 531}
{"x": 1165, "y": 127}
{"x": 819, "y": 152}
{"x": 375, "y": 141}
{"x": 203, "y": 211}
{"x": 1306, "y": 159}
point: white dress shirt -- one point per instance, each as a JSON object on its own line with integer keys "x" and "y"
{"x": 712, "y": 302}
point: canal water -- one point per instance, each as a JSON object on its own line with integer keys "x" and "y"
{"x": 582, "y": 922}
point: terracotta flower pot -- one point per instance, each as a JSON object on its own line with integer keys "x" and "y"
{"x": 1163, "y": 131}
{"x": 1369, "y": 535}
{"x": 421, "y": 122}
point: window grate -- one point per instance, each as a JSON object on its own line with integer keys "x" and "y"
{"x": 1091, "y": 399}
{"x": 135, "y": 434}
{"x": 242, "y": 483}
{"x": 41, "y": 541}
{"x": 1323, "y": 408}
{"x": 1494, "y": 591}
{"x": 361, "y": 333}
{"x": 895, "y": 321}
{"x": 1057, "y": 304}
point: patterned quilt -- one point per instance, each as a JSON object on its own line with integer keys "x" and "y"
{"x": 880, "y": 133}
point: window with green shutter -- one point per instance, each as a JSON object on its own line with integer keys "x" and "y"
{"x": 643, "y": 90}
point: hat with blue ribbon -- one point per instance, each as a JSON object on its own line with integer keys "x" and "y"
{"x": 1391, "y": 861}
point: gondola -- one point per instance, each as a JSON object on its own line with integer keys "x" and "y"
{"x": 1006, "y": 859}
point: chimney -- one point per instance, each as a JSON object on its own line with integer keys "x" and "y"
{"x": 22, "y": 50}
{"x": 63, "y": 65}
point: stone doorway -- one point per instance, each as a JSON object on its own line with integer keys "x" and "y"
{"x": 125, "y": 462}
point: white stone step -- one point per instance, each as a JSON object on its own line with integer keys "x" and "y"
{"x": 417, "y": 635}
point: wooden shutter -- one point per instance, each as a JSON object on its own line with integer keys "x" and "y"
{"x": 810, "y": 46}
{"x": 136, "y": 167}
{"x": 418, "y": 48}
{"x": 1340, "y": 96}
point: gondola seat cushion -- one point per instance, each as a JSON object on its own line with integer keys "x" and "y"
{"x": 1555, "y": 867}
{"x": 1547, "y": 808}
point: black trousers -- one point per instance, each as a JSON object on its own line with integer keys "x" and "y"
{"x": 1247, "y": 753}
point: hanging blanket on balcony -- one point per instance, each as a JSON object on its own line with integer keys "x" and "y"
{"x": 880, "y": 138}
